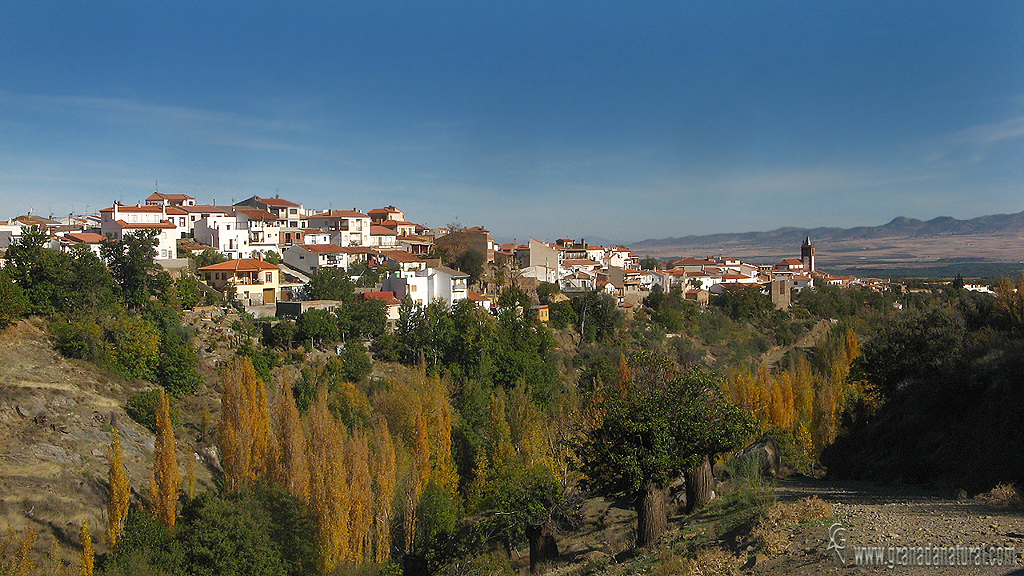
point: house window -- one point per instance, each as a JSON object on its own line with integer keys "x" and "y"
{"x": 412, "y": 288}
{"x": 270, "y": 276}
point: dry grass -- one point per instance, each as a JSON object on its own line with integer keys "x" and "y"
{"x": 772, "y": 531}
{"x": 1004, "y": 496}
{"x": 710, "y": 562}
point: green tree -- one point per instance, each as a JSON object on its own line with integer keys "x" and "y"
{"x": 131, "y": 262}
{"x": 367, "y": 276}
{"x": 13, "y": 302}
{"x": 136, "y": 346}
{"x": 471, "y": 262}
{"x": 598, "y": 315}
{"x": 178, "y": 368}
{"x": 652, "y": 431}
{"x": 513, "y": 296}
{"x": 189, "y": 295}
{"x": 546, "y": 291}
{"x": 369, "y": 318}
{"x": 357, "y": 365}
{"x": 272, "y": 257}
{"x": 209, "y": 257}
{"x": 40, "y": 272}
{"x": 650, "y": 263}
{"x": 745, "y": 303}
{"x": 329, "y": 283}
{"x": 263, "y": 533}
{"x": 318, "y": 325}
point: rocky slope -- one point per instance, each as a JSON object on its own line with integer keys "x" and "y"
{"x": 57, "y": 417}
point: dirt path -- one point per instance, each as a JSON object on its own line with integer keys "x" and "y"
{"x": 873, "y": 516}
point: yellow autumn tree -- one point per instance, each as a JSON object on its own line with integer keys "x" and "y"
{"x": 120, "y": 493}
{"x": 232, "y": 437}
{"x": 289, "y": 466}
{"x": 166, "y": 480}
{"x": 88, "y": 557}
{"x": 328, "y": 482}
{"x": 244, "y": 426}
{"x": 803, "y": 382}
{"x": 437, "y": 411}
{"x": 502, "y": 453}
{"x": 421, "y": 472}
{"x": 383, "y": 468}
{"x": 360, "y": 488}
{"x": 259, "y": 421}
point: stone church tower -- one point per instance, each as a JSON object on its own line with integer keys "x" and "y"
{"x": 807, "y": 255}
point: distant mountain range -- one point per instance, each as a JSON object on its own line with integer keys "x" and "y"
{"x": 900, "y": 227}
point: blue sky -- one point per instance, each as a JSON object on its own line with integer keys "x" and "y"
{"x": 620, "y": 120}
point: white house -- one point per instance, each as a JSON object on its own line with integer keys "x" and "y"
{"x": 161, "y": 199}
{"x": 429, "y": 284}
{"x": 352, "y": 226}
{"x": 264, "y": 229}
{"x": 222, "y": 233}
{"x": 91, "y": 240}
{"x": 382, "y": 237}
{"x": 309, "y": 257}
{"x": 119, "y": 221}
{"x": 403, "y": 263}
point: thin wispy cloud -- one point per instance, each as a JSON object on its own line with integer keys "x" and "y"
{"x": 994, "y": 132}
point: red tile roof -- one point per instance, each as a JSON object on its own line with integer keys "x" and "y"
{"x": 321, "y": 248}
{"x": 790, "y": 262}
{"x": 401, "y": 256}
{"x": 137, "y": 209}
{"x": 162, "y": 196}
{"x": 280, "y": 202}
{"x": 86, "y": 237}
{"x": 256, "y": 214}
{"x": 241, "y": 265}
{"x": 146, "y": 225}
{"x": 340, "y": 214}
{"x": 477, "y": 297}
{"x": 382, "y": 231}
{"x": 386, "y": 297}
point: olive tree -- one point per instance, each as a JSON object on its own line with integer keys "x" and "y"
{"x": 653, "y": 430}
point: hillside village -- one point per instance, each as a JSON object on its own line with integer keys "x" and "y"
{"x": 461, "y": 389}
{"x": 272, "y": 245}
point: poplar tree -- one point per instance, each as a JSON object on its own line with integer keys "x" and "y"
{"x": 360, "y": 488}
{"x": 329, "y": 493}
{"x": 420, "y": 478}
{"x": 88, "y": 557}
{"x": 383, "y": 467}
{"x": 120, "y": 493}
{"x": 244, "y": 427}
{"x": 290, "y": 469}
{"x": 166, "y": 480}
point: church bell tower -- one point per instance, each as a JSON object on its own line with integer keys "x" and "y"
{"x": 807, "y": 255}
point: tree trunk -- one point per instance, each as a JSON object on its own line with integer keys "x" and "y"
{"x": 700, "y": 482}
{"x": 542, "y": 544}
{"x": 414, "y": 565}
{"x": 651, "y": 514}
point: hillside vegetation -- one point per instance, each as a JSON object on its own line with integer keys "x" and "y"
{"x": 465, "y": 442}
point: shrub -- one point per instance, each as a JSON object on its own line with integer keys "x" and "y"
{"x": 142, "y": 408}
{"x": 357, "y": 365}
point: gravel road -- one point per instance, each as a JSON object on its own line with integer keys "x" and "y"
{"x": 873, "y": 516}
